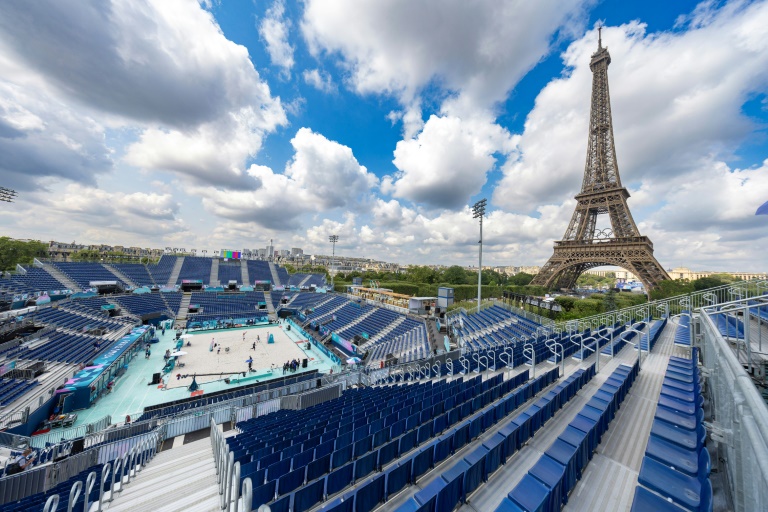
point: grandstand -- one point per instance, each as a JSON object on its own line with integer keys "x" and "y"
{"x": 31, "y": 280}
{"x": 259, "y": 271}
{"x": 85, "y": 273}
{"x": 195, "y": 269}
{"x": 520, "y": 415}
{"x": 139, "y": 274}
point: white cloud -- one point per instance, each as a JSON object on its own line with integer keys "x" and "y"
{"x": 274, "y": 30}
{"x": 480, "y": 49}
{"x": 447, "y": 162}
{"x": 160, "y": 69}
{"x": 672, "y": 107}
{"x": 328, "y": 170}
{"x": 41, "y": 137}
{"x": 213, "y": 153}
{"x": 322, "y": 175}
{"x": 318, "y": 79}
{"x": 95, "y": 215}
{"x": 165, "y": 61}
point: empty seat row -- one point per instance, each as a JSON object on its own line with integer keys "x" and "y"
{"x": 675, "y": 471}
{"x": 464, "y": 477}
{"x": 551, "y": 479}
{"x": 399, "y": 462}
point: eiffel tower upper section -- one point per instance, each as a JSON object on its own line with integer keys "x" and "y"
{"x": 584, "y": 246}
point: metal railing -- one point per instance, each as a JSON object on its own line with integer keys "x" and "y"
{"x": 739, "y": 412}
{"x": 57, "y": 436}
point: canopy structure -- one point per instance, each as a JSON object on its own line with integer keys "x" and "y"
{"x": 763, "y": 210}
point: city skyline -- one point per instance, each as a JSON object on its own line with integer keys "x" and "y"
{"x": 220, "y": 125}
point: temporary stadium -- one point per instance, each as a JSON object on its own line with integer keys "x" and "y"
{"x": 219, "y": 384}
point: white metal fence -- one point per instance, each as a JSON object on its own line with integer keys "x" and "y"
{"x": 739, "y": 412}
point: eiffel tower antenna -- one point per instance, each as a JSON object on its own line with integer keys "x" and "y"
{"x": 584, "y": 246}
{"x": 599, "y": 37}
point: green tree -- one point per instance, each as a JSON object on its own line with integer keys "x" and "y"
{"x": 455, "y": 275}
{"x": 421, "y": 274}
{"x": 521, "y": 279}
{"x": 711, "y": 281}
{"x": 609, "y": 300}
{"x": 13, "y": 252}
{"x": 670, "y": 288}
{"x": 289, "y": 268}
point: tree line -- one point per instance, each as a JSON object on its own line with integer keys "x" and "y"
{"x": 13, "y": 252}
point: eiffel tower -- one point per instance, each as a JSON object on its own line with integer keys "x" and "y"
{"x": 584, "y": 246}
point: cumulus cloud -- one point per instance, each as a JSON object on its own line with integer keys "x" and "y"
{"x": 322, "y": 175}
{"x": 41, "y": 137}
{"x": 160, "y": 69}
{"x": 318, "y": 79}
{"x": 328, "y": 170}
{"x": 447, "y": 162}
{"x": 398, "y": 233}
{"x": 478, "y": 49}
{"x": 96, "y": 215}
{"x": 212, "y": 153}
{"x": 671, "y": 109}
{"x": 163, "y": 61}
{"x": 273, "y": 30}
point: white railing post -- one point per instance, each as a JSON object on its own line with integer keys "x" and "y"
{"x": 74, "y": 494}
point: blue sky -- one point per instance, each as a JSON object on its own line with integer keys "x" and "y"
{"x": 222, "y": 124}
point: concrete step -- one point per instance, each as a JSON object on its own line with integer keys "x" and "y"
{"x": 182, "y": 478}
{"x": 175, "y": 272}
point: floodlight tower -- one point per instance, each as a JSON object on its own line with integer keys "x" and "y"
{"x": 478, "y": 211}
{"x": 7, "y": 194}
{"x": 333, "y": 239}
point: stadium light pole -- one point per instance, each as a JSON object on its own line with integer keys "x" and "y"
{"x": 333, "y": 239}
{"x": 478, "y": 211}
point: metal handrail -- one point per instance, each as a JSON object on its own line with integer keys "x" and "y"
{"x": 464, "y": 364}
{"x": 638, "y": 344}
{"x": 492, "y": 366}
{"x": 595, "y": 350}
{"x": 530, "y": 353}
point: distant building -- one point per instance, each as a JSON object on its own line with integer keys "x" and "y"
{"x": 686, "y": 273}
{"x": 61, "y": 251}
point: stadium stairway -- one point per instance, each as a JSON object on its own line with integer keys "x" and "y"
{"x": 244, "y": 272}
{"x": 122, "y": 277}
{"x": 489, "y": 494}
{"x": 616, "y": 464}
{"x": 304, "y": 281}
{"x": 175, "y": 272}
{"x": 214, "y": 279}
{"x": 608, "y": 481}
{"x": 63, "y": 279}
{"x": 270, "y": 306}
{"x": 433, "y": 336}
{"x": 178, "y": 479}
{"x": 391, "y": 327}
{"x": 181, "y": 316}
{"x": 275, "y": 277}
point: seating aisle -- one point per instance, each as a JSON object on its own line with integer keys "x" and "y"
{"x": 508, "y": 476}
{"x": 611, "y": 476}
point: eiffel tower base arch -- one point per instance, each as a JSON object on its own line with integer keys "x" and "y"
{"x": 573, "y": 258}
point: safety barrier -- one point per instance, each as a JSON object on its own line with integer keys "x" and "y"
{"x": 740, "y": 415}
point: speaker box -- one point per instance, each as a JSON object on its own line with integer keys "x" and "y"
{"x": 304, "y": 362}
{"x": 155, "y": 378}
{"x": 319, "y": 383}
{"x": 78, "y": 445}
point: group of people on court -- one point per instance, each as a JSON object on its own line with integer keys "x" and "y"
{"x": 291, "y": 365}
